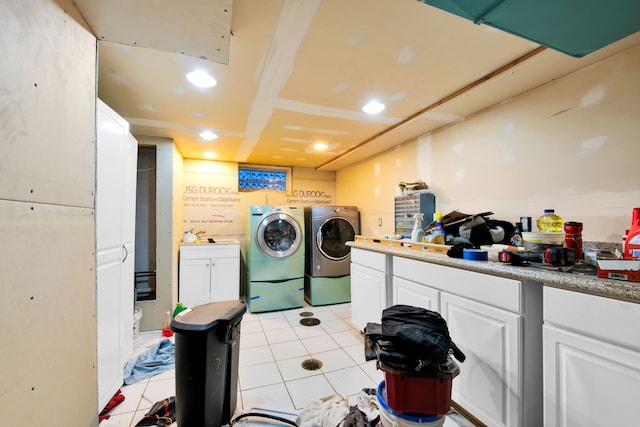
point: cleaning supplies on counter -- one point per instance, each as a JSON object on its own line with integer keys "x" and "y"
{"x": 632, "y": 242}
{"x": 550, "y": 222}
{"x": 418, "y": 232}
{"x": 438, "y": 232}
{"x": 188, "y": 237}
{"x": 179, "y": 309}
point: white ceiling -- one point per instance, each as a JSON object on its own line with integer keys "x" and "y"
{"x": 291, "y": 73}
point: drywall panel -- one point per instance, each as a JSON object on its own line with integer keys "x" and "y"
{"x": 47, "y": 176}
{"x": 47, "y": 87}
{"x": 371, "y": 185}
{"x": 199, "y": 28}
{"x": 48, "y": 361}
{"x": 570, "y": 145}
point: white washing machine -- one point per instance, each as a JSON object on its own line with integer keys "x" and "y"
{"x": 275, "y": 258}
{"x": 328, "y": 262}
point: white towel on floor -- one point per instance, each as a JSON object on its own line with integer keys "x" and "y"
{"x": 328, "y": 411}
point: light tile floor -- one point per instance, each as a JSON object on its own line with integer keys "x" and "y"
{"x": 272, "y": 348}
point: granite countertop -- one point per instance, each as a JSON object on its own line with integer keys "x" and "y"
{"x": 590, "y": 284}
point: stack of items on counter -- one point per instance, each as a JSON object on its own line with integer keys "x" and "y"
{"x": 412, "y": 346}
{"x": 627, "y": 267}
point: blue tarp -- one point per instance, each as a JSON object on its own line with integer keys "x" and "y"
{"x": 156, "y": 360}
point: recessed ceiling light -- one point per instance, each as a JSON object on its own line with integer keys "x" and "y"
{"x": 373, "y": 107}
{"x": 210, "y": 155}
{"x": 201, "y": 78}
{"x": 207, "y": 135}
{"x": 320, "y": 146}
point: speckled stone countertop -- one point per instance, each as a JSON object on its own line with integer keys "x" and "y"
{"x": 616, "y": 289}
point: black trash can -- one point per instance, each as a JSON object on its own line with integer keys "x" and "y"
{"x": 207, "y": 340}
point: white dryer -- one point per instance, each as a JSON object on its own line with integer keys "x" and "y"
{"x": 328, "y": 258}
{"x": 275, "y": 258}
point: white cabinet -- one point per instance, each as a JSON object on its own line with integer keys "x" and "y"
{"x": 209, "y": 273}
{"x": 591, "y": 360}
{"x": 408, "y": 292}
{"x": 369, "y": 278}
{"x": 117, "y": 154}
{"x": 497, "y": 323}
{"x": 490, "y": 384}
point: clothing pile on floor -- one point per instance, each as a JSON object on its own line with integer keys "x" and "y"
{"x": 159, "y": 358}
{"x": 334, "y": 410}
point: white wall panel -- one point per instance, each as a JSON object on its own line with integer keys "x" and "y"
{"x": 47, "y": 224}
{"x": 47, "y": 107}
{"x": 48, "y": 333}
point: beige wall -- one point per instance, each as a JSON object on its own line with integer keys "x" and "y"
{"x": 47, "y": 217}
{"x": 572, "y": 145}
{"x": 213, "y": 205}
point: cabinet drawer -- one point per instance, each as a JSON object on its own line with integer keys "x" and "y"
{"x": 375, "y": 260}
{"x": 493, "y": 290}
{"x": 606, "y": 318}
{"x": 200, "y": 251}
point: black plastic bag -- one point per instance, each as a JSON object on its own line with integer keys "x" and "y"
{"x": 419, "y": 328}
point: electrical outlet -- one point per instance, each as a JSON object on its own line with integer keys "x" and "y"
{"x": 379, "y": 222}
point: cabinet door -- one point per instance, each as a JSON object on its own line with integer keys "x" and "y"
{"x": 195, "y": 281}
{"x": 588, "y": 382}
{"x": 225, "y": 279}
{"x": 116, "y": 154}
{"x": 368, "y": 295}
{"x": 415, "y": 294}
{"x": 127, "y": 281}
{"x": 489, "y": 385}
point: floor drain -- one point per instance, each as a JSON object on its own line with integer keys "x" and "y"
{"x": 310, "y": 321}
{"x": 306, "y": 314}
{"x": 311, "y": 364}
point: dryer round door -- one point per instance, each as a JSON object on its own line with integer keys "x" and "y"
{"x": 331, "y": 237}
{"x": 279, "y": 235}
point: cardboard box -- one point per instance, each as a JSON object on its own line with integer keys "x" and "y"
{"x": 619, "y": 269}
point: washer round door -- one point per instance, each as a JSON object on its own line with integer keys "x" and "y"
{"x": 331, "y": 237}
{"x": 279, "y": 235}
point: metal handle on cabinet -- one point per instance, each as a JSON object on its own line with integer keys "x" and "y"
{"x": 126, "y": 253}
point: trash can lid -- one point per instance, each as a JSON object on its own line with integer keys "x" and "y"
{"x": 204, "y": 318}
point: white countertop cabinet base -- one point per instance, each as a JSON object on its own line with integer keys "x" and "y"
{"x": 489, "y": 385}
{"x": 209, "y": 273}
{"x": 411, "y": 293}
{"x": 369, "y": 279}
{"x": 591, "y": 360}
{"x": 497, "y": 323}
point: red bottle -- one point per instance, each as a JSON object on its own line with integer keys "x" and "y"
{"x": 573, "y": 237}
{"x": 632, "y": 244}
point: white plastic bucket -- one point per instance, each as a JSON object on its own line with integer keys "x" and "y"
{"x": 388, "y": 418}
{"x": 137, "y": 315}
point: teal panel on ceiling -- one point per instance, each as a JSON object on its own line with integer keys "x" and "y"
{"x": 469, "y": 9}
{"x": 575, "y": 27}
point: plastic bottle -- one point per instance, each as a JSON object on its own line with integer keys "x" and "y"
{"x": 632, "y": 244}
{"x": 550, "y": 222}
{"x": 438, "y": 232}
{"x": 179, "y": 308}
{"x": 188, "y": 237}
{"x": 418, "y": 232}
{"x": 166, "y": 330}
